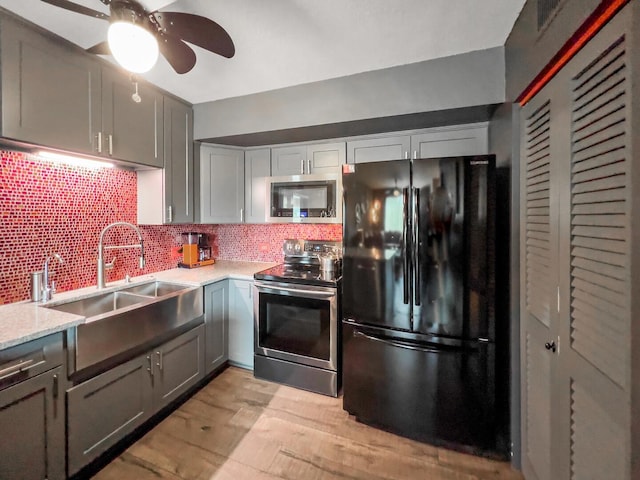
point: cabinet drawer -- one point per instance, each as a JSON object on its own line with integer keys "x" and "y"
{"x": 29, "y": 359}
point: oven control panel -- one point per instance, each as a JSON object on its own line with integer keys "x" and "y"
{"x": 309, "y": 248}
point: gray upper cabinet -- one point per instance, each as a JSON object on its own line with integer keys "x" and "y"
{"x": 378, "y": 149}
{"x": 470, "y": 139}
{"x": 32, "y": 413}
{"x": 257, "y": 166}
{"x": 166, "y": 195}
{"x": 306, "y": 159}
{"x": 49, "y": 96}
{"x": 221, "y": 185}
{"x": 131, "y": 131}
{"x": 56, "y": 95}
{"x": 453, "y": 141}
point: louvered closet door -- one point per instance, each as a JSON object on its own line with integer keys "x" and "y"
{"x": 539, "y": 280}
{"x": 596, "y": 326}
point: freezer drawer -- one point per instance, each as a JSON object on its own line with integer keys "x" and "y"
{"x": 443, "y": 395}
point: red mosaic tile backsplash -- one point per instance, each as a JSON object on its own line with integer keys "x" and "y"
{"x": 50, "y": 208}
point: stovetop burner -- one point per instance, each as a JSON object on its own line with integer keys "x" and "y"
{"x": 302, "y": 265}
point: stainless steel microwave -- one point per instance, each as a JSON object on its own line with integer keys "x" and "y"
{"x": 315, "y": 198}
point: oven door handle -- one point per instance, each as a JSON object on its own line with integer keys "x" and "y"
{"x": 296, "y": 291}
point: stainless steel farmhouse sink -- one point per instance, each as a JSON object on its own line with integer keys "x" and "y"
{"x": 124, "y": 323}
{"x": 155, "y": 289}
{"x": 100, "y": 304}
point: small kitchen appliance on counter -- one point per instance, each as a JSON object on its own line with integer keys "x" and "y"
{"x": 296, "y": 315}
{"x": 196, "y": 251}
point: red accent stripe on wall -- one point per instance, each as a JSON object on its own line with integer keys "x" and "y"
{"x": 600, "y": 16}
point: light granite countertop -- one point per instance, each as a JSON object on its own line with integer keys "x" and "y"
{"x": 24, "y": 321}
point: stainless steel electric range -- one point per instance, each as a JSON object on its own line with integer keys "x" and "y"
{"x": 297, "y": 312}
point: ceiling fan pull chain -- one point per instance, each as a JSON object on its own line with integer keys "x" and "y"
{"x": 135, "y": 96}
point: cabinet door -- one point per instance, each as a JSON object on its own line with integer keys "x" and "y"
{"x": 179, "y": 366}
{"x": 32, "y": 422}
{"x": 289, "y": 160}
{"x": 103, "y": 410}
{"x": 326, "y": 157}
{"x": 451, "y": 141}
{"x": 132, "y": 131}
{"x": 178, "y": 160}
{"x": 241, "y": 323}
{"x": 539, "y": 276}
{"x": 221, "y": 185}
{"x": 378, "y": 149}
{"x": 216, "y": 317}
{"x": 50, "y": 95}
{"x": 257, "y": 166}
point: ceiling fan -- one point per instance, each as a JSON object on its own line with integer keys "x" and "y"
{"x": 133, "y": 28}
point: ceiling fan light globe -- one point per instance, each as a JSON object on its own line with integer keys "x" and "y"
{"x": 133, "y": 47}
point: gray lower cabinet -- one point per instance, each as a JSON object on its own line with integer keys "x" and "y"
{"x": 216, "y": 318}
{"x": 257, "y": 166}
{"x": 306, "y": 159}
{"x": 221, "y": 185}
{"x": 104, "y": 409}
{"x": 241, "y": 327}
{"x": 32, "y": 415}
{"x": 32, "y": 426}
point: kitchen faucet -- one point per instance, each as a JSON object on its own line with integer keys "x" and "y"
{"x": 49, "y": 290}
{"x": 102, "y": 266}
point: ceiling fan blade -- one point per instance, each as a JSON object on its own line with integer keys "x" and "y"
{"x": 179, "y": 55}
{"x": 198, "y": 30}
{"x": 74, "y": 7}
{"x": 101, "y": 48}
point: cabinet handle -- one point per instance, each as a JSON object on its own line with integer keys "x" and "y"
{"x": 56, "y": 385}
{"x": 159, "y": 364}
{"x": 99, "y": 146}
{"x": 301, "y": 167}
{"x": 308, "y": 166}
{"x": 170, "y": 215}
{"x": 110, "y": 137}
{"x": 17, "y": 368}
{"x": 242, "y": 215}
{"x": 150, "y": 367}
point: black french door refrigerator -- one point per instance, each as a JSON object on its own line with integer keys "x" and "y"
{"x": 418, "y": 299}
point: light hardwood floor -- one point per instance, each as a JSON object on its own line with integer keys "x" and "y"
{"x": 240, "y": 428}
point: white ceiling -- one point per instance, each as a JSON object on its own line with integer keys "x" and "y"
{"x": 280, "y": 43}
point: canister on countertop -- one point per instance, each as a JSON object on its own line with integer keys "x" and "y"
{"x": 36, "y": 286}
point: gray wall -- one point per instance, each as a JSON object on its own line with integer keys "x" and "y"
{"x": 528, "y": 50}
{"x": 471, "y": 79}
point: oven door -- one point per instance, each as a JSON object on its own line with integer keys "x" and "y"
{"x": 296, "y": 323}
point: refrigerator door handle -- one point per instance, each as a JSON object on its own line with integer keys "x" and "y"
{"x": 423, "y": 347}
{"x": 416, "y": 245}
{"x": 406, "y": 262}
